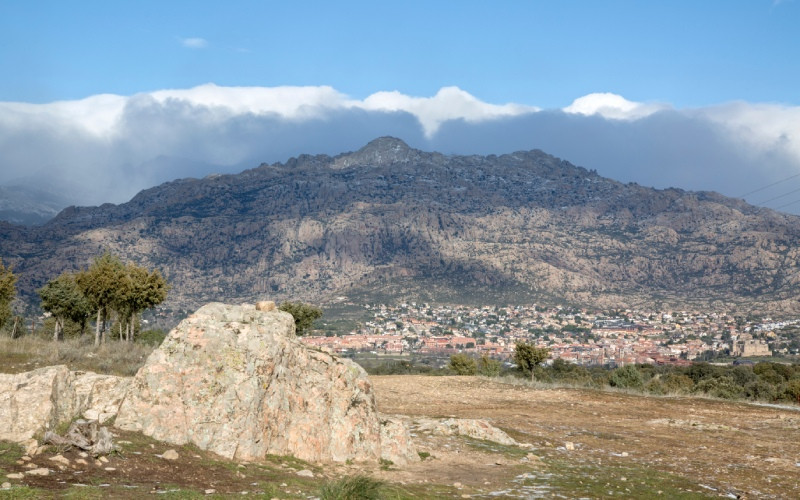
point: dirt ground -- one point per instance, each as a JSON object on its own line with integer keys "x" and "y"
{"x": 585, "y": 444}
{"x": 716, "y": 447}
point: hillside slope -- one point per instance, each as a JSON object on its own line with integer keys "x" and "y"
{"x": 389, "y": 221}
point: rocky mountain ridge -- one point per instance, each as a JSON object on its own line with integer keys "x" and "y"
{"x": 392, "y": 222}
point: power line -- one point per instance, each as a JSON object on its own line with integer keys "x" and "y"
{"x": 770, "y": 185}
{"x": 779, "y": 196}
{"x": 787, "y": 204}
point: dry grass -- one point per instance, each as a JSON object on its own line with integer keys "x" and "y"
{"x": 31, "y": 352}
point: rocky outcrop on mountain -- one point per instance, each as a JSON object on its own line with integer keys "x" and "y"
{"x": 236, "y": 381}
{"x": 40, "y": 400}
{"x": 389, "y": 221}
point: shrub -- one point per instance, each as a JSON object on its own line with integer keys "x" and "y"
{"x": 701, "y": 371}
{"x": 489, "y": 367}
{"x": 304, "y": 315}
{"x": 791, "y": 391}
{"x": 720, "y": 387}
{"x": 462, "y": 364}
{"x": 352, "y": 488}
{"x": 151, "y": 337}
{"x": 760, "y": 390}
{"x": 677, "y": 383}
{"x": 627, "y": 377}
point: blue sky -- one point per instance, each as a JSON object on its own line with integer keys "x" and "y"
{"x": 541, "y": 53}
{"x": 694, "y": 94}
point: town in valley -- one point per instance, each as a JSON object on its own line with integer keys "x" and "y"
{"x": 609, "y": 338}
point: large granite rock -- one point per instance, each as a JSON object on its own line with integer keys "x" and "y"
{"x": 40, "y": 400}
{"x": 236, "y": 381}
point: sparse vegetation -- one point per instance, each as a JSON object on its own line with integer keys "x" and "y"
{"x": 78, "y": 353}
{"x": 304, "y": 315}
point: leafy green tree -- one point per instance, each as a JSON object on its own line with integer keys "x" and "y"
{"x": 100, "y": 284}
{"x": 304, "y": 315}
{"x": 138, "y": 290}
{"x": 528, "y": 356}
{"x": 63, "y": 298}
{"x": 461, "y": 364}
{"x": 7, "y": 292}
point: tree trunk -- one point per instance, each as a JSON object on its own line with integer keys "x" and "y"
{"x": 103, "y": 331}
{"x": 97, "y": 328}
{"x": 16, "y": 326}
{"x": 55, "y": 330}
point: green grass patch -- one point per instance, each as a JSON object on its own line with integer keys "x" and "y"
{"x": 599, "y": 481}
{"x": 24, "y": 492}
{"x": 509, "y": 451}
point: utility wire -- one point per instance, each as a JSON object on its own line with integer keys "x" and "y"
{"x": 779, "y": 196}
{"x": 787, "y": 204}
{"x": 770, "y": 185}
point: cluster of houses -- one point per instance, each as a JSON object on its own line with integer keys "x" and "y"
{"x": 613, "y": 338}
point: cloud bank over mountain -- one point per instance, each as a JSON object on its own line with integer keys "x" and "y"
{"x": 105, "y": 148}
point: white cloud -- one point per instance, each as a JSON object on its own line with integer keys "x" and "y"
{"x": 612, "y": 106}
{"x": 450, "y": 103}
{"x": 763, "y": 127}
{"x": 117, "y": 145}
{"x": 287, "y": 102}
{"x": 194, "y": 43}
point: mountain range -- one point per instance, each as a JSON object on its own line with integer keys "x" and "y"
{"x": 388, "y": 222}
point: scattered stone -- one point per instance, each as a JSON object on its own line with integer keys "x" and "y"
{"x": 59, "y": 459}
{"x": 103, "y": 459}
{"x": 457, "y": 485}
{"x": 210, "y": 491}
{"x": 474, "y": 428}
{"x": 31, "y": 466}
{"x": 265, "y": 306}
{"x": 31, "y": 446}
{"x": 83, "y": 454}
{"x": 170, "y": 455}
{"x": 569, "y": 446}
{"x": 110, "y": 469}
{"x": 98, "y": 463}
{"x": 305, "y": 473}
{"x": 86, "y": 435}
{"x": 15, "y": 475}
{"x": 624, "y": 454}
{"x": 38, "y": 472}
{"x": 81, "y": 461}
{"x": 6, "y": 486}
{"x": 26, "y": 458}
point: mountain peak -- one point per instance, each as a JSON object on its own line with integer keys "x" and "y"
{"x": 379, "y": 152}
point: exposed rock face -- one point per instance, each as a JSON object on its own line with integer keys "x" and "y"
{"x": 236, "y": 381}
{"x": 396, "y": 444}
{"x": 394, "y": 221}
{"x": 41, "y": 399}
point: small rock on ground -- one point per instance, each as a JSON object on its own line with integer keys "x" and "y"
{"x": 170, "y": 455}
{"x": 38, "y": 472}
{"x": 305, "y": 473}
{"x": 16, "y": 475}
{"x": 5, "y": 486}
{"x": 59, "y": 459}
